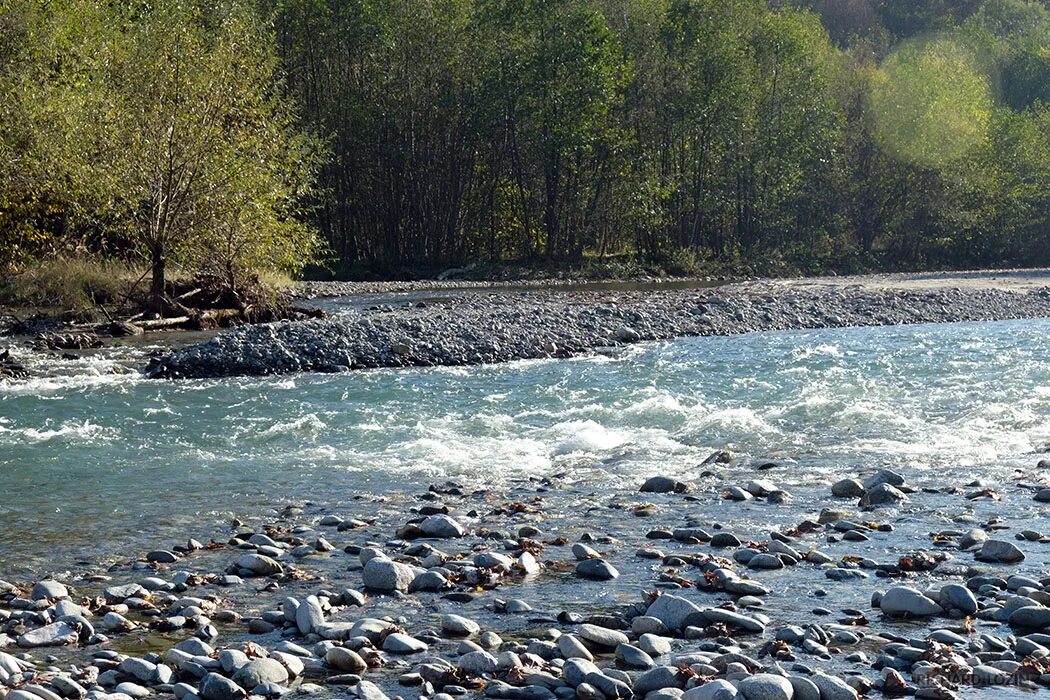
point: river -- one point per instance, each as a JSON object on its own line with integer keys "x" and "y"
{"x": 96, "y": 465}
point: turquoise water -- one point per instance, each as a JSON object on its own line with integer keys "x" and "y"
{"x": 97, "y": 464}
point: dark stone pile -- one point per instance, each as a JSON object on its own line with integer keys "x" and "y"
{"x": 487, "y": 328}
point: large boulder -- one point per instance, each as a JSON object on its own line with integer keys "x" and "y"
{"x": 671, "y": 610}
{"x": 49, "y": 590}
{"x": 387, "y": 576}
{"x": 309, "y": 616}
{"x": 345, "y": 660}
{"x": 1000, "y": 552}
{"x": 260, "y": 671}
{"x": 766, "y": 686}
{"x": 901, "y": 601}
{"x": 216, "y": 687}
{"x": 1031, "y": 617}
{"x": 442, "y": 526}
{"x": 882, "y": 495}
{"x": 258, "y": 565}
{"x": 56, "y": 634}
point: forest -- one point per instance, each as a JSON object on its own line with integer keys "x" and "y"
{"x": 404, "y": 137}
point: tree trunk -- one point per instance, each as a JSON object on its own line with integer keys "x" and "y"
{"x": 157, "y": 287}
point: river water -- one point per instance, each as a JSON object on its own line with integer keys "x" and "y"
{"x": 96, "y": 464}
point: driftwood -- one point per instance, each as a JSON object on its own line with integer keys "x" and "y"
{"x": 163, "y": 324}
{"x": 196, "y": 320}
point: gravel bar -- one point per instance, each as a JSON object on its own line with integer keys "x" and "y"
{"x": 480, "y": 328}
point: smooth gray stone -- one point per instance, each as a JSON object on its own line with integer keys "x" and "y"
{"x": 260, "y": 671}
{"x": 216, "y": 687}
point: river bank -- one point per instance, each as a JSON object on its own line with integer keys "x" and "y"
{"x": 486, "y": 327}
{"x": 728, "y": 584}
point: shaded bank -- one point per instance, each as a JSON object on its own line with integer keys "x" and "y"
{"x": 487, "y": 328}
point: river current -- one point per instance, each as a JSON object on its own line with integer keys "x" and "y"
{"x": 96, "y": 465}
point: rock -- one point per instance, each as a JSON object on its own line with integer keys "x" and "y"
{"x": 656, "y": 679}
{"x": 596, "y": 569}
{"x": 712, "y": 690}
{"x": 162, "y": 556}
{"x": 763, "y": 560}
{"x": 400, "y": 643}
{"x": 734, "y": 619}
{"x": 54, "y": 635}
{"x": 431, "y": 581}
{"x": 610, "y": 687}
{"x": 1043, "y": 495}
{"x": 387, "y": 576}
{"x": 216, "y": 687}
{"x": 956, "y": 597}
{"x": 131, "y": 690}
{"x": 292, "y": 662}
{"x": 671, "y": 610}
{"x": 49, "y": 590}
{"x": 847, "y": 488}
{"x": 735, "y": 493}
{"x": 1031, "y": 616}
{"x": 308, "y": 616}
{"x": 258, "y": 565}
{"x": 663, "y": 484}
{"x": 766, "y": 686}
{"x": 442, "y": 526}
{"x": 457, "y": 626}
{"x": 478, "y": 663}
{"x": 626, "y": 334}
{"x": 493, "y": 560}
{"x": 575, "y": 671}
{"x": 366, "y": 690}
{"x": 346, "y": 660}
{"x": 883, "y": 476}
{"x": 195, "y": 647}
{"x": 633, "y": 657}
{"x": 973, "y": 537}
{"x": 232, "y": 659}
{"x": 832, "y": 688}
{"x": 1000, "y": 552}
{"x": 572, "y": 648}
{"x": 582, "y": 552}
{"x": 804, "y": 688}
{"x": 260, "y": 671}
{"x": 901, "y": 601}
{"x": 602, "y": 636}
{"x": 145, "y": 671}
{"x": 881, "y": 495}
{"x": 654, "y": 645}
{"x": 722, "y": 540}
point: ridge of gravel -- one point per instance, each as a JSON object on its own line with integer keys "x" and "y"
{"x": 481, "y": 328}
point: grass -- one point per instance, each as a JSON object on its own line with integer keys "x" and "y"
{"x": 72, "y": 283}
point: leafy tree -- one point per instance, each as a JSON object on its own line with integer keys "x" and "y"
{"x": 205, "y": 163}
{"x": 556, "y": 76}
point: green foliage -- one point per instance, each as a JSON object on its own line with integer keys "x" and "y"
{"x": 766, "y": 136}
{"x": 931, "y": 103}
{"x": 157, "y": 129}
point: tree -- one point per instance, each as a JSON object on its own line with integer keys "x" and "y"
{"x": 48, "y": 117}
{"x": 556, "y": 81}
{"x": 204, "y": 156}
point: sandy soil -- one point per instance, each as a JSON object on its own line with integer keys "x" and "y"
{"x": 1010, "y": 280}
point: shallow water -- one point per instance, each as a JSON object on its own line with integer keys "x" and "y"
{"x": 98, "y": 464}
